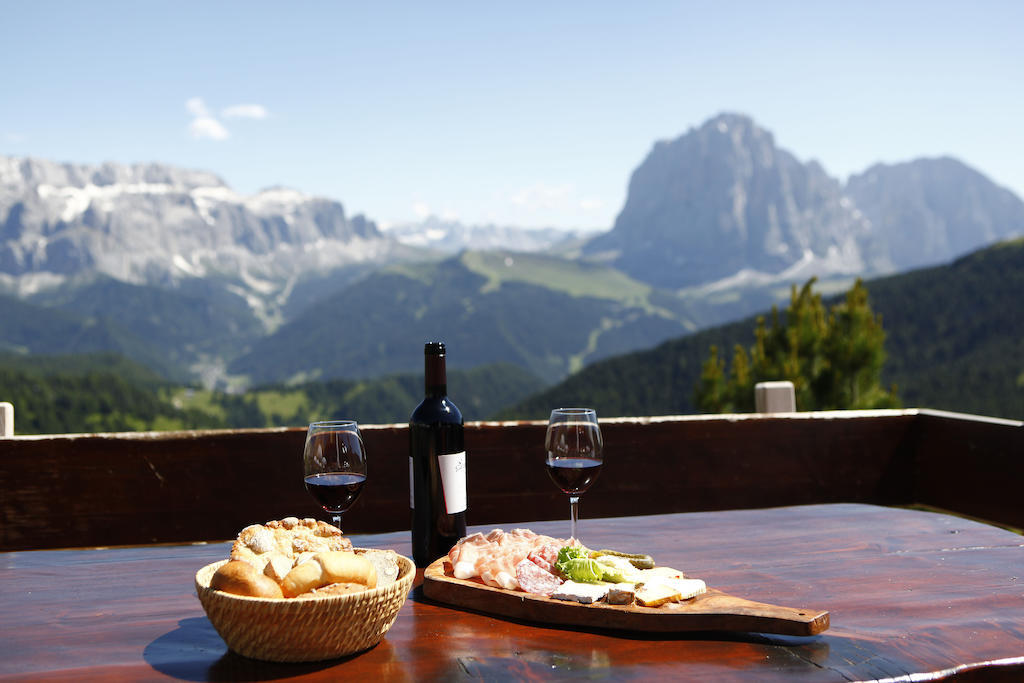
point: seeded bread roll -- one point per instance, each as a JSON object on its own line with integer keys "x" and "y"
{"x": 241, "y": 578}
{"x": 327, "y": 568}
{"x": 291, "y": 537}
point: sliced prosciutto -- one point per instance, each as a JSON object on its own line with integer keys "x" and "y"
{"x": 494, "y": 557}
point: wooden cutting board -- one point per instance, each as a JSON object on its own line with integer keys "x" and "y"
{"x": 713, "y": 611}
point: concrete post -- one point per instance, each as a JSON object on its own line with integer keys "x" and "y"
{"x": 775, "y": 397}
{"x": 6, "y": 420}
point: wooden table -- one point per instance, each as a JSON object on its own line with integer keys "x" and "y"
{"x": 909, "y": 592}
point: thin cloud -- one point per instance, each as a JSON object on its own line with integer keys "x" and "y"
{"x": 208, "y": 127}
{"x": 244, "y": 111}
{"x": 205, "y": 125}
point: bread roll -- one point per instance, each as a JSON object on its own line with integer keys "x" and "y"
{"x": 347, "y": 567}
{"x": 278, "y": 567}
{"x": 302, "y": 579}
{"x": 327, "y": 568}
{"x": 241, "y": 578}
{"x": 289, "y": 537}
{"x": 335, "y": 589}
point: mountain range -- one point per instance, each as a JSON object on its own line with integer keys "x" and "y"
{"x": 174, "y": 269}
{"x": 450, "y": 237}
{"x": 724, "y": 203}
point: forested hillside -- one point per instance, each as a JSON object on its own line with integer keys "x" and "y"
{"x": 106, "y": 392}
{"x": 955, "y": 334}
{"x": 954, "y": 341}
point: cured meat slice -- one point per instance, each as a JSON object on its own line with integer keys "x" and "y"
{"x": 545, "y": 556}
{"x": 533, "y": 579}
{"x": 493, "y": 557}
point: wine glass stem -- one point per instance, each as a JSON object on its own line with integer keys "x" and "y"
{"x": 574, "y": 513}
{"x": 336, "y": 519}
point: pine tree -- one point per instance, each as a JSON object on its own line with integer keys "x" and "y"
{"x": 834, "y": 358}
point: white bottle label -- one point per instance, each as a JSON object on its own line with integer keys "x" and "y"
{"x": 453, "y": 481}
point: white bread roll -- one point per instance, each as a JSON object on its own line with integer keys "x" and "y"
{"x": 241, "y": 578}
{"x": 327, "y": 568}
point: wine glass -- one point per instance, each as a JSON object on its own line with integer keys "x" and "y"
{"x": 334, "y": 465}
{"x": 574, "y": 445}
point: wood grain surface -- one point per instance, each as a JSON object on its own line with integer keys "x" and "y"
{"x": 712, "y": 611}
{"x": 910, "y": 594}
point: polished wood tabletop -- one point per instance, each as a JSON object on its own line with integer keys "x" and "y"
{"x": 912, "y": 595}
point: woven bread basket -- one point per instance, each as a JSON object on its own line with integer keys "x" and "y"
{"x": 304, "y": 629}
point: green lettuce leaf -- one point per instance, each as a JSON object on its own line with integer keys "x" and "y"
{"x": 582, "y": 569}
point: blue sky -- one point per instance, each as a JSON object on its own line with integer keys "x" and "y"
{"x": 524, "y": 113}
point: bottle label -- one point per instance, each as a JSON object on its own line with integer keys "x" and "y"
{"x": 453, "y": 481}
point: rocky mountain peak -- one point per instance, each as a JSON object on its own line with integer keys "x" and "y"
{"x": 928, "y": 211}
{"x": 722, "y": 200}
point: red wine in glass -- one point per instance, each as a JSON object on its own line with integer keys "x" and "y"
{"x": 334, "y": 465}
{"x": 573, "y": 475}
{"x": 335, "y": 490}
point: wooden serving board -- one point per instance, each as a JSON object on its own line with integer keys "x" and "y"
{"x": 712, "y": 611}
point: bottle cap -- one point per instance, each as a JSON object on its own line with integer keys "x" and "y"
{"x": 433, "y": 349}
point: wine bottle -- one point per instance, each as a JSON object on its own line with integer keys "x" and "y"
{"x": 437, "y": 465}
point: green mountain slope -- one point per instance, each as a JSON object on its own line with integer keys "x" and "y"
{"x": 184, "y": 324}
{"x": 547, "y": 315}
{"x": 27, "y": 328}
{"x": 167, "y": 330}
{"x": 955, "y": 341}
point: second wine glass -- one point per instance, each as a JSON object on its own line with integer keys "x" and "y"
{"x": 575, "y": 454}
{"x": 334, "y": 465}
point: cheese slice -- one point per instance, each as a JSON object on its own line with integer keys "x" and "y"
{"x": 654, "y": 594}
{"x": 657, "y": 573}
{"x": 688, "y": 588}
{"x": 584, "y": 593}
{"x": 621, "y": 594}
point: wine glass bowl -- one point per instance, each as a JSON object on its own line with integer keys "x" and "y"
{"x": 334, "y": 465}
{"x": 575, "y": 454}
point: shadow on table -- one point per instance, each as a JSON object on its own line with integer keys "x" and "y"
{"x": 195, "y": 652}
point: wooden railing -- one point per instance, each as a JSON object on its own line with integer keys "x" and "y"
{"x": 128, "y": 488}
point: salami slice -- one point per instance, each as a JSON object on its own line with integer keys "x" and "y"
{"x": 536, "y": 580}
{"x": 545, "y": 556}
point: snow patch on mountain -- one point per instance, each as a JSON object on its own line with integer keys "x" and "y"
{"x": 157, "y": 224}
{"x": 451, "y": 237}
